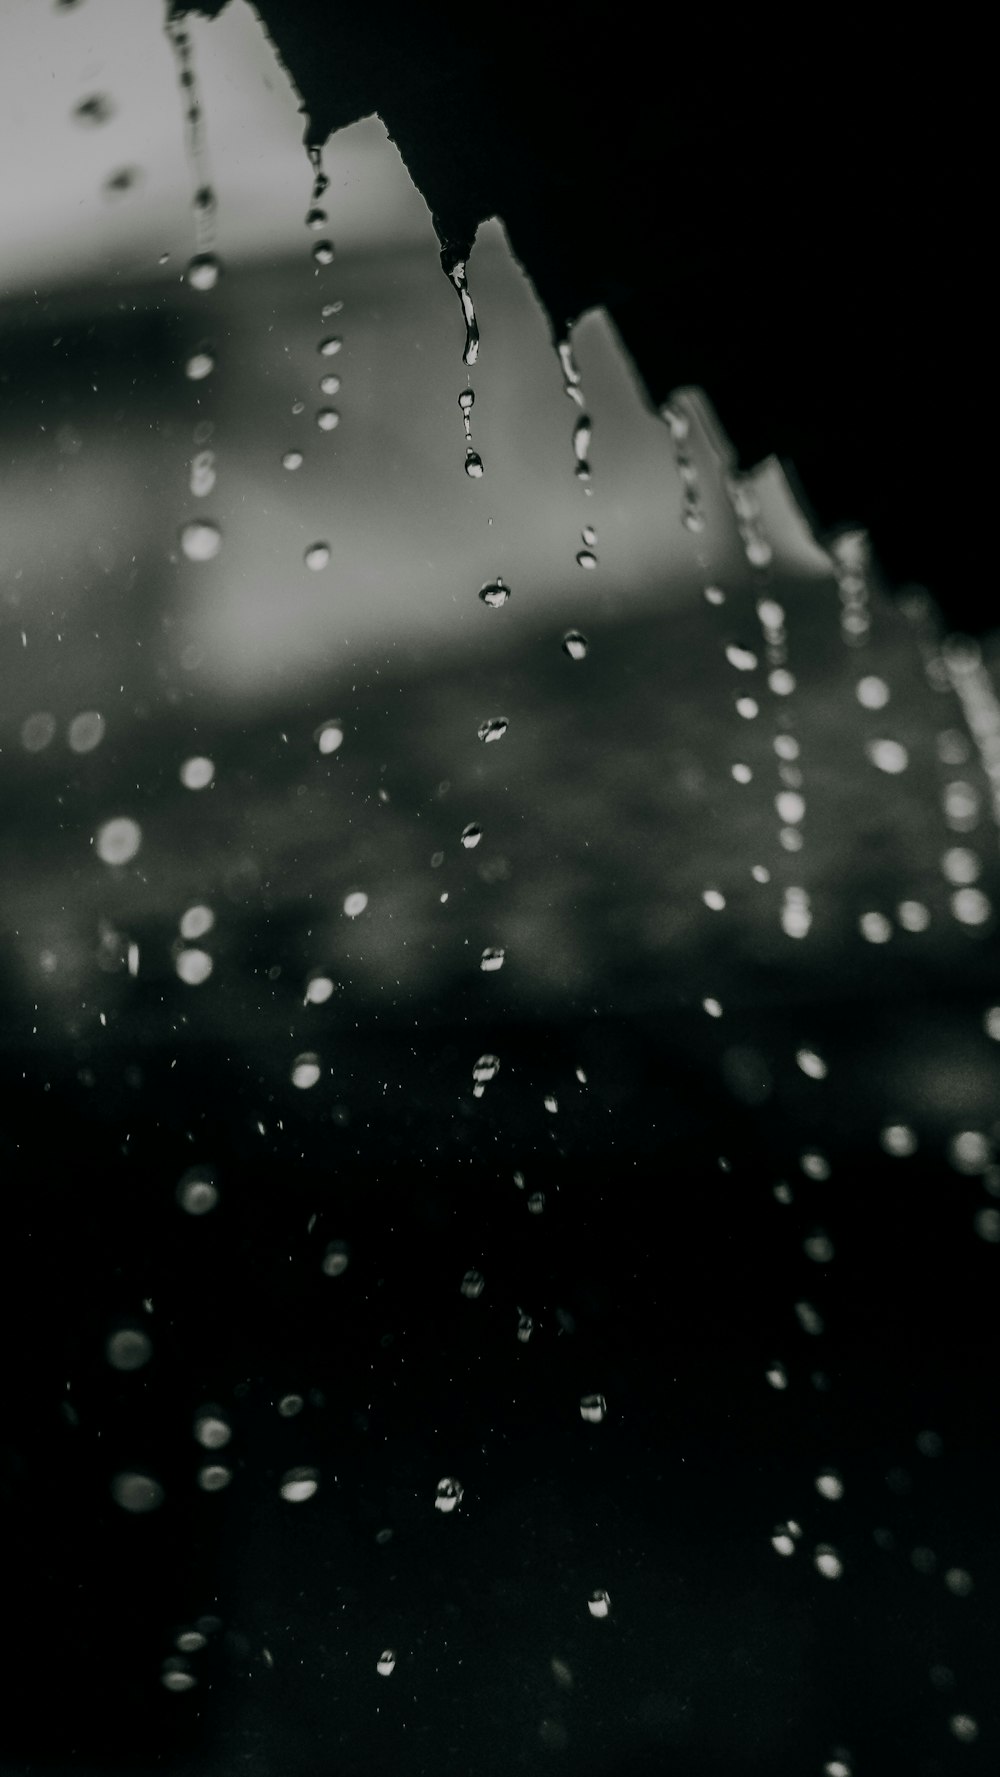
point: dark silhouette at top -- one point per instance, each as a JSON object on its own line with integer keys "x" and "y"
{"x": 784, "y": 216}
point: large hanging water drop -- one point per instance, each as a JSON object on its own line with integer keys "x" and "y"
{"x": 457, "y": 277}
{"x": 323, "y": 253}
{"x": 575, "y": 645}
{"x": 493, "y": 729}
{"x": 474, "y": 465}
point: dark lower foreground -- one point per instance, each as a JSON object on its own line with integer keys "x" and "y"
{"x": 654, "y": 1276}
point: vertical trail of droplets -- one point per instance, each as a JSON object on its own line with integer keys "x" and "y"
{"x": 456, "y": 274}
{"x": 574, "y": 643}
{"x": 201, "y": 537}
{"x": 204, "y": 266}
{"x": 330, "y": 344}
{"x": 789, "y": 802}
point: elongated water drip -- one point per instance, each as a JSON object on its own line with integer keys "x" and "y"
{"x": 582, "y": 432}
{"x": 456, "y": 276}
{"x": 571, "y": 375}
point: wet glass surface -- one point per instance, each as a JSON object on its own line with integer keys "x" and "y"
{"x": 499, "y": 1014}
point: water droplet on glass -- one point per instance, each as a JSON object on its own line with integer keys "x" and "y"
{"x": 449, "y": 1494}
{"x": 323, "y": 253}
{"x": 466, "y": 400}
{"x": 193, "y": 967}
{"x": 971, "y": 907}
{"x": 593, "y": 1408}
{"x": 299, "y": 1484}
{"x": 829, "y": 1484}
{"x": 330, "y": 346}
{"x": 327, "y": 419}
{"x": 811, "y": 1064}
{"x": 888, "y": 756}
{"x": 317, "y": 556}
{"x": 777, "y": 1375}
{"x": 485, "y": 1069}
{"x": 176, "y": 1677}
{"x": 203, "y": 271}
{"x": 202, "y": 479}
{"x": 494, "y": 593}
{"x": 872, "y": 692}
{"x": 965, "y": 1728}
{"x": 336, "y": 1259}
{"x": 742, "y": 773}
{"x": 86, "y": 731}
{"x": 201, "y": 539}
{"x": 875, "y": 928}
{"x": 292, "y": 459}
{"x": 585, "y": 558}
{"x": 582, "y": 433}
{"x": 328, "y": 736}
{"x": 525, "y": 1328}
{"x": 828, "y": 1562}
{"x": 781, "y": 681}
{"x": 574, "y": 644}
{"x": 385, "y": 1665}
{"x": 355, "y": 903}
{"x": 472, "y": 834}
{"x": 809, "y": 1319}
{"x": 197, "y": 773}
{"x": 714, "y": 899}
{"x": 491, "y": 960}
{"x": 473, "y": 1284}
{"x": 96, "y": 109}
{"x": 315, "y": 218}
{"x": 329, "y": 385}
{"x": 212, "y": 1429}
{"x": 190, "y": 1641}
{"x": 298, "y": 407}
{"x": 196, "y": 921}
{"x": 791, "y": 807}
{"x": 199, "y": 365}
{"x": 493, "y": 729}
{"x": 714, "y": 595}
{"x": 290, "y": 1405}
{"x": 197, "y": 1192}
{"x": 306, "y": 1071}
{"x": 129, "y": 1349}
{"x": 318, "y": 990}
{"x": 747, "y": 707}
{"x": 599, "y": 1604}
{"x": 38, "y": 732}
{"x": 958, "y": 1582}
{"x": 743, "y": 659}
{"x": 474, "y": 465}
{"x": 136, "y": 1492}
{"x": 118, "y": 840}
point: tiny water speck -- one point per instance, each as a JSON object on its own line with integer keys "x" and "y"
{"x": 201, "y": 539}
